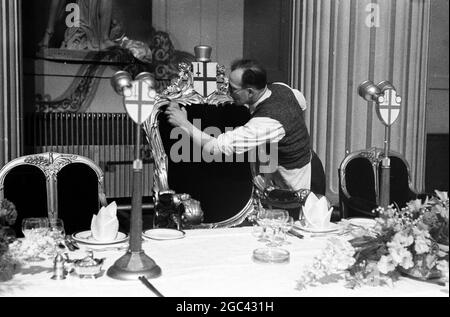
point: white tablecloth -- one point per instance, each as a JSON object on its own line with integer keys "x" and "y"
{"x": 208, "y": 263}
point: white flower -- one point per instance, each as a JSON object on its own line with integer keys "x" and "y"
{"x": 401, "y": 239}
{"x": 386, "y": 264}
{"x": 422, "y": 242}
{"x": 401, "y": 256}
{"x": 334, "y": 259}
{"x": 430, "y": 261}
{"x": 422, "y": 245}
{"x": 443, "y": 211}
{"x": 414, "y": 204}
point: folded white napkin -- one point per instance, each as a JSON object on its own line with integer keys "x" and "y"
{"x": 316, "y": 212}
{"x": 105, "y": 225}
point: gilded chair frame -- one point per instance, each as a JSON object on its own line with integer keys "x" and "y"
{"x": 182, "y": 91}
{"x": 51, "y": 164}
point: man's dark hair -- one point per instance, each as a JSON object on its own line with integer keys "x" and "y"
{"x": 254, "y": 74}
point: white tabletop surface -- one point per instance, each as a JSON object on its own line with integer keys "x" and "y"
{"x": 207, "y": 263}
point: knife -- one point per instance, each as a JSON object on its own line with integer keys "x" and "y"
{"x": 70, "y": 244}
{"x": 294, "y": 233}
{"x": 145, "y": 281}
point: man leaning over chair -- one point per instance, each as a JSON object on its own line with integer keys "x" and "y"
{"x": 277, "y": 116}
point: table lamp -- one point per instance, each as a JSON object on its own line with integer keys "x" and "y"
{"x": 139, "y": 100}
{"x": 388, "y": 109}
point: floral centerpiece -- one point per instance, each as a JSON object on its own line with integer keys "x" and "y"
{"x": 403, "y": 241}
{"x": 8, "y": 216}
{"x": 37, "y": 246}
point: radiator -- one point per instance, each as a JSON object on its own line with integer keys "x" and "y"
{"x": 106, "y": 138}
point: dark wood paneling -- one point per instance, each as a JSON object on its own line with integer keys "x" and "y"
{"x": 436, "y": 166}
{"x": 267, "y": 35}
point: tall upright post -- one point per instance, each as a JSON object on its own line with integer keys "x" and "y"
{"x": 135, "y": 262}
{"x": 388, "y": 109}
{"x": 385, "y": 183}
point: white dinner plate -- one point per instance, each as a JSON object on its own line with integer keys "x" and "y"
{"x": 363, "y": 222}
{"x": 87, "y": 238}
{"x": 332, "y": 227}
{"x": 163, "y": 234}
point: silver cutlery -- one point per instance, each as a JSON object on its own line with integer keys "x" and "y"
{"x": 107, "y": 249}
{"x": 145, "y": 281}
{"x": 295, "y": 234}
{"x": 70, "y": 244}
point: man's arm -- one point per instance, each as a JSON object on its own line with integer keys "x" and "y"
{"x": 242, "y": 139}
{"x": 178, "y": 117}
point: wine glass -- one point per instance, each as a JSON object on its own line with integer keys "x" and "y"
{"x": 34, "y": 229}
{"x": 260, "y": 227}
{"x": 272, "y": 220}
{"x": 276, "y": 219}
{"x": 284, "y": 229}
{"x": 34, "y": 226}
{"x": 57, "y": 229}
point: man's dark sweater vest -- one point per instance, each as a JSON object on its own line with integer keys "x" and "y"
{"x": 293, "y": 148}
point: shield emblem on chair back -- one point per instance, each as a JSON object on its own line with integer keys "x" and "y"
{"x": 205, "y": 78}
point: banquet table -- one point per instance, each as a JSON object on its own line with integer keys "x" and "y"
{"x": 207, "y": 263}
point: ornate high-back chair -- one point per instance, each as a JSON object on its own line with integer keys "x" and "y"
{"x": 359, "y": 182}
{"x": 65, "y": 186}
{"x": 197, "y": 194}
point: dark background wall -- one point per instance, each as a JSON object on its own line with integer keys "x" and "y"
{"x": 437, "y": 114}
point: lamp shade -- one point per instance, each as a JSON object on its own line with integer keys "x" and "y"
{"x": 148, "y": 78}
{"x": 369, "y": 91}
{"x": 383, "y": 85}
{"x": 120, "y": 81}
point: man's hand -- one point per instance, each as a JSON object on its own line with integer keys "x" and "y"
{"x": 177, "y": 116}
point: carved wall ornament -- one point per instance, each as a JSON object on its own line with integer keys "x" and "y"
{"x": 163, "y": 63}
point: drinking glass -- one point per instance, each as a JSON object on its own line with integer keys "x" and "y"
{"x": 285, "y": 227}
{"x": 276, "y": 219}
{"x": 57, "y": 229}
{"x": 260, "y": 228}
{"x": 34, "y": 226}
{"x": 34, "y": 229}
{"x": 272, "y": 220}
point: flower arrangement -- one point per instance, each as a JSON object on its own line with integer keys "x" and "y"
{"x": 8, "y": 213}
{"x": 38, "y": 244}
{"x": 403, "y": 241}
{"x": 8, "y": 216}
